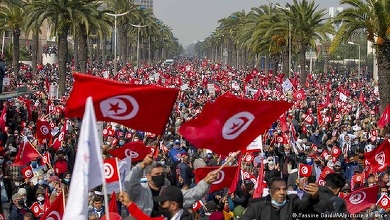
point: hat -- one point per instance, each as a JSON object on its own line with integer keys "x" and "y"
{"x": 211, "y": 206}
{"x": 39, "y": 191}
{"x": 177, "y": 141}
{"x": 170, "y": 193}
{"x": 22, "y": 191}
{"x": 238, "y": 212}
{"x": 337, "y": 163}
{"x": 15, "y": 196}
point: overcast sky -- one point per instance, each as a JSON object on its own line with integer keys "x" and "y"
{"x": 193, "y": 20}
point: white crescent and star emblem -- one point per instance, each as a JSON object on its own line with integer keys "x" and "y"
{"x": 385, "y": 201}
{"x": 28, "y": 173}
{"x": 299, "y": 96}
{"x": 357, "y": 197}
{"x": 108, "y": 170}
{"x": 121, "y": 107}
{"x": 53, "y": 215}
{"x": 321, "y": 182}
{"x": 237, "y": 124}
{"x": 130, "y": 153}
{"x": 220, "y": 177}
{"x": 44, "y": 130}
{"x": 304, "y": 170}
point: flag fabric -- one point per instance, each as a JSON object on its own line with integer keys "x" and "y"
{"x": 110, "y": 167}
{"x": 197, "y": 205}
{"x": 379, "y": 158}
{"x": 124, "y": 167}
{"x": 326, "y": 171}
{"x": 27, "y": 172}
{"x": 145, "y": 108}
{"x": 343, "y": 97}
{"x": 36, "y": 209}
{"x": 136, "y": 150}
{"x": 46, "y": 159}
{"x": 384, "y": 202}
{"x": 305, "y": 170}
{"x": 57, "y": 143}
{"x": 361, "y": 199}
{"x": 224, "y": 178}
{"x": 259, "y": 186}
{"x": 112, "y": 206}
{"x": 3, "y": 117}
{"x": 26, "y": 153}
{"x": 326, "y": 103}
{"x": 336, "y": 151}
{"x": 361, "y": 97}
{"x": 299, "y": 95}
{"x": 56, "y": 209}
{"x": 43, "y": 129}
{"x": 287, "y": 85}
{"x": 230, "y": 123}
{"x": 385, "y": 119}
{"x": 233, "y": 184}
{"x": 88, "y": 168}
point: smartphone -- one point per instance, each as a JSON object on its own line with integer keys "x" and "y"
{"x": 311, "y": 179}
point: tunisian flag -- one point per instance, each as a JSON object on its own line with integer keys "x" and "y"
{"x": 224, "y": 178}
{"x": 299, "y": 95}
{"x": 136, "y": 150}
{"x": 361, "y": 199}
{"x": 145, "y": 108}
{"x": 230, "y": 123}
{"x": 56, "y": 209}
{"x": 26, "y": 154}
{"x": 305, "y": 170}
{"x": 384, "y": 120}
{"x": 110, "y": 167}
{"x": 379, "y": 158}
{"x": 43, "y": 129}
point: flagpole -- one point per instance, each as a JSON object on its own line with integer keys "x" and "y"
{"x": 106, "y": 208}
{"x": 230, "y": 159}
{"x": 119, "y": 175}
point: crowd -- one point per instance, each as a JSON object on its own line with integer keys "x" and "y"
{"x": 324, "y": 130}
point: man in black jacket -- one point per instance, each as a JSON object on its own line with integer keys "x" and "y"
{"x": 278, "y": 205}
{"x": 333, "y": 184}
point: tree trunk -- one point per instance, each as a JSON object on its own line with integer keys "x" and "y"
{"x": 122, "y": 37}
{"x": 83, "y": 48}
{"x": 62, "y": 54}
{"x": 98, "y": 50}
{"x": 76, "y": 52}
{"x": 34, "y": 50}
{"x": 384, "y": 74}
{"x": 104, "y": 49}
{"x": 285, "y": 62}
{"x": 302, "y": 75}
{"x": 15, "y": 50}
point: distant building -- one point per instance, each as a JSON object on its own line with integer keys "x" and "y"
{"x": 145, "y": 4}
{"x": 333, "y": 12}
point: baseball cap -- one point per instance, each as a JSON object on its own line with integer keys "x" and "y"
{"x": 177, "y": 141}
{"x": 170, "y": 193}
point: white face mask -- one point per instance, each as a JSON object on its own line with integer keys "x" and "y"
{"x": 40, "y": 198}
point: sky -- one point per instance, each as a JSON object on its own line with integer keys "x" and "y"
{"x": 194, "y": 20}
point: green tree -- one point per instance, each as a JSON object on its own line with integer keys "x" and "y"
{"x": 372, "y": 18}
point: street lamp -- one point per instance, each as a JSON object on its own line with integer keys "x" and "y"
{"x": 353, "y": 43}
{"x": 139, "y": 27}
{"x": 115, "y": 33}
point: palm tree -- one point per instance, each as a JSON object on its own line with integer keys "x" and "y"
{"x": 12, "y": 17}
{"x": 373, "y": 19}
{"x": 61, "y": 16}
{"x": 307, "y": 24}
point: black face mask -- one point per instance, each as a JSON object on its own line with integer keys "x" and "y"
{"x": 158, "y": 180}
{"x": 21, "y": 202}
{"x": 164, "y": 212}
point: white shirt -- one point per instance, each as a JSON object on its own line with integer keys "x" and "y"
{"x": 177, "y": 215}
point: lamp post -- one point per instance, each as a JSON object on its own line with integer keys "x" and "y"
{"x": 139, "y": 27}
{"x": 353, "y": 43}
{"x": 115, "y": 34}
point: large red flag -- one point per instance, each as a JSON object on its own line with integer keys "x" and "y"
{"x": 36, "y": 209}
{"x": 385, "y": 119}
{"x": 233, "y": 186}
{"x": 326, "y": 171}
{"x": 3, "y": 118}
{"x": 27, "y": 172}
{"x": 259, "y": 187}
{"x": 224, "y": 178}
{"x": 326, "y": 103}
{"x": 145, "y": 108}
{"x": 361, "y": 97}
{"x": 56, "y": 209}
{"x": 136, "y": 150}
{"x": 26, "y": 154}
{"x": 379, "y": 158}
{"x": 230, "y": 123}
{"x": 283, "y": 123}
{"x": 111, "y": 173}
{"x": 43, "y": 129}
{"x": 361, "y": 199}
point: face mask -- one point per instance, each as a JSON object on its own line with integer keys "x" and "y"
{"x": 164, "y": 212}
{"x": 383, "y": 193}
{"x": 319, "y": 150}
{"x": 1, "y": 161}
{"x": 158, "y": 180}
{"x": 287, "y": 152}
{"x": 356, "y": 142}
{"x": 17, "y": 184}
{"x": 40, "y": 198}
{"x": 40, "y": 182}
{"x": 309, "y": 162}
{"x": 66, "y": 180}
{"x": 277, "y": 204}
{"x": 371, "y": 184}
{"x": 34, "y": 164}
{"x": 178, "y": 147}
{"x": 171, "y": 143}
{"x": 121, "y": 143}
{"x": 21, "y": 202}
{"x": 162, "y": 163}
{"x": 316, "y": 134}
